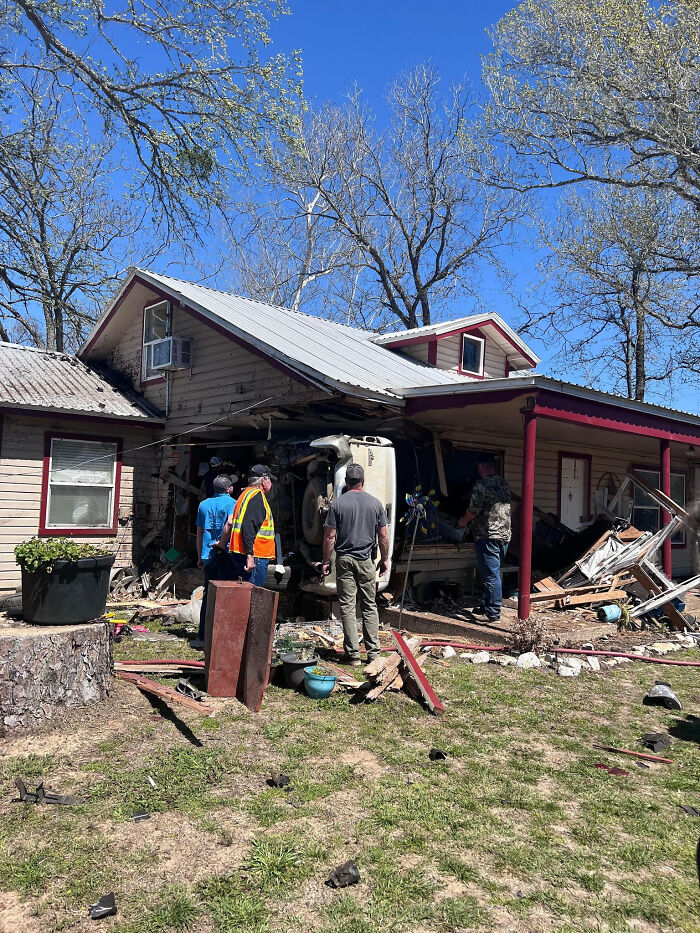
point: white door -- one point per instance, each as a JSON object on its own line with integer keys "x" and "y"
{"x": 573, "y": 508}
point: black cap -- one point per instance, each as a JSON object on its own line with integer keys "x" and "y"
{"x": 261, "y": 470}
{"x": 355, "y": 473}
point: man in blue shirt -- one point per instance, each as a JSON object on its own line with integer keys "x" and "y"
{"x": 216, "y": 564}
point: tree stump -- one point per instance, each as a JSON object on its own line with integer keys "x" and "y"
{"x": 46, "y": 668}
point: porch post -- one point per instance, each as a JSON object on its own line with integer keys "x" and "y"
{"x": 526, "y": 507}
{"x": 665, "y": 473}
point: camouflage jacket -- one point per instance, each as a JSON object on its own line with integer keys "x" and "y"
{"x": 490, "y": 503}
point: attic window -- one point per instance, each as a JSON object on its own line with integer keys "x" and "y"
{"x": 156, "y": 324}
{"x": 472, "y": 358}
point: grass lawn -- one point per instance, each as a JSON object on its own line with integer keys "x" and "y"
{"x": 516, "y": 830}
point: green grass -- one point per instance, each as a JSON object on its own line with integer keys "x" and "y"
{"x": 517, "y": 827}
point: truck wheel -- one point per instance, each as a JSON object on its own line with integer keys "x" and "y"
{"x": 311, "y": 519}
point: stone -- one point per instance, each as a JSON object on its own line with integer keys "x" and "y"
{"x": 449, "y": 652}
{"x": 571, "y": 661}
{"x": 593, "y": 663}
{"x": 686, "y": 641}
{"x": 588, "y": 646}
{"x": 481, "y": 657}
{"x": 609, "y": 662}
{"x": 565, "y": 671}
{"x": 660, "y": 647}
{"x": 504, "y": 660}
{"x": 467, "y": 655}
{"x": 528, "y": 660}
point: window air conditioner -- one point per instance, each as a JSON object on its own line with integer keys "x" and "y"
{"x": 171, "y": 353}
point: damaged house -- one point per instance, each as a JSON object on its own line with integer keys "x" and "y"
{"x": 114, "y": 445}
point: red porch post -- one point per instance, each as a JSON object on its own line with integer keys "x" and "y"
{"x": 665, "y": 472}
{"x": 526, "y": 507}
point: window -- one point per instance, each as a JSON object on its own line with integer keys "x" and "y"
{"x": 646, "y": 513}
{"x": 472, "y": 362}
{"x": 81, "y": 486}
{"x": 156, "y": 319}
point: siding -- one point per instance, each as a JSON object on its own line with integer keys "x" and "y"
{"x": 603, "y": 459}
{"x": 449, "y": 350}
{"x": 21, "y": 467}
{"x": 417, "y": 351}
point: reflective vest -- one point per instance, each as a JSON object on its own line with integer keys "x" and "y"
{"x": 264, "y": 545}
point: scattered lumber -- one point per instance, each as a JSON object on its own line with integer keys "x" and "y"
{"x": 672, "y": 614}
{"x": 347, "y": 680}
{"x": 413, "y": 670}
{"x": 165, "y": 693}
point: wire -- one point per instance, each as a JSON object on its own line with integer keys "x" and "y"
{"x": 164, "y": 440}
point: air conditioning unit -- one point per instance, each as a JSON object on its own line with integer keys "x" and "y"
{"x": 171, "y": 353}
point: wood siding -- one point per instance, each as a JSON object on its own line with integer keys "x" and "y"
{"x": 21, "y": 469}
{"x": 449, "y": 351}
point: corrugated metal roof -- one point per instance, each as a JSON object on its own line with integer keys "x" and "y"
{"x": 50, "y": 381}
{"x": 325, "y": 351}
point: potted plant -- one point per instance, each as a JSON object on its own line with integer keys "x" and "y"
{"x": 319, "y": 682}
{"x": 63, "y": 581}
{"x": 295, "y": 661}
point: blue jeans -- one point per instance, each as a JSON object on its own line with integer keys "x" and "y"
{"x": 489, "y": 554}
{"x": 216, "y": 567}
{"x": 256, "y": 576}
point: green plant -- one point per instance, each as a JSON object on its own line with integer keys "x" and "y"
{"x": 321, "y": 671}
{"x": 36, "y": 554}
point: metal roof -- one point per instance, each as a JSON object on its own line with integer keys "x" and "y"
{"x": 332, "y": 354}
{"x": 57, "y": 382}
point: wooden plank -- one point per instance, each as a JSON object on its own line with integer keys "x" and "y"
{"x": 672, "y": 613}
{"x": 630, "y": 534}
{"x": 585, "y": 598}
{"x": 626, "y": 751}
{"x": 560, "y": 593}
{"x": 413, "y": 669}
{"x": 347, "y": 680}
{"x": 165, "y": 693}
{"x": 548, "y": 585}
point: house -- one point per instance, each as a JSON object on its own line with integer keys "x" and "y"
{"x": 237, "y": 377}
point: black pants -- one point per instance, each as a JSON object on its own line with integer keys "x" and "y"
{"x": 217, "y": 567}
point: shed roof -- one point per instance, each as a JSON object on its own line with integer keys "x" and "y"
{"x": 48, "y": 381}
{"x": 332, "y": 354}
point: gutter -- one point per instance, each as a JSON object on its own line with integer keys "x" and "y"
{"x": 24, "y": 409}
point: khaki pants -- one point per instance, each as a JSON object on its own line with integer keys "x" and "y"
{"x": 355, "y": 576}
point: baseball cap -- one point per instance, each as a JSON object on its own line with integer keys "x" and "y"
{"x": 261, "y": 470}
{"x": 355, "y": 472}
{"x": 216, "y": 461}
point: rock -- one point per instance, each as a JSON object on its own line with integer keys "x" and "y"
{"x": 467, "y": 655}
{"x": 593, "y": 663}
{"x": 588, "y": 646}
{"x": 571, "y": 661}
{"x": 481, "y": 657}
{"x": 504, "y": 660}
{"x": 609, "y": 662}
{"x": 449, "y": 652}
{"x": 660, "y": 647}
{"x": 528, "y": 660}
{"x": 686, "y": 641}
{"x": 565, "y": 671}
{"x": 640, "y": 649}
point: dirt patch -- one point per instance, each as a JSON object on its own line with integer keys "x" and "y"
{"x": 365, "y": 763}
{"x": 16, "y": 915}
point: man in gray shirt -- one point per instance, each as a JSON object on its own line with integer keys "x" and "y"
{"x": 353, "y": 523}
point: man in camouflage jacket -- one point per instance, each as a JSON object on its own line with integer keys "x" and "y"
{"x": 489, "y": 510}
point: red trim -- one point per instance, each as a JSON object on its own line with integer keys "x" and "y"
{"x": 180, "y": 303}
{"x": 151, "y": 380}
{"x": 472, "y": 332}
{"x": 414, "y": 406}
{"x": 527, "y": 503}
{"x": 422, "y": 338}
{"x": 78, "y": 532}
{"x": 2, "y": 428}
{"x": 432, "y": 352}
{"x": 665, "y": 477}
{"x": 570, "y": 455}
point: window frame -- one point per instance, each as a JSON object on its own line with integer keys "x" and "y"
{"x": 46, "y": 530}
{"x": 679, "y": 540}
{"x": 482, "y": 342}
{"x": 156, "y": 377}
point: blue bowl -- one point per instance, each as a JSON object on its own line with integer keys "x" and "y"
{"x": 318, "y": 686}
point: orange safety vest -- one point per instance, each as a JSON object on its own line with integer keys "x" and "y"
{"x": 264, "y": 545}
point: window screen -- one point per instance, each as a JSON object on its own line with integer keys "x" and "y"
{"x": 81, "y": 484}
{"x": 472, "y": 354}
{"x": 155, "y": 327}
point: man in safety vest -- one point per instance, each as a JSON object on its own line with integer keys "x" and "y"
{"x": 249, "y": 533}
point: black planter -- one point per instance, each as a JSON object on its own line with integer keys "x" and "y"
{"x": 74, "y": 591}
{"x": 294, "y": 669}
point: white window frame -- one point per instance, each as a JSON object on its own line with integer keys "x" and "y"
{"x": 50, "y": 483}
{"x": 148, "y": 374}
{"x": 679, "y": 539}
{"x": 482, "y": 352}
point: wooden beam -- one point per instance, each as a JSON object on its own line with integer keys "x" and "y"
{"x": 165, "y": 693}
{"x": 413, "y": 669}
{"x": 672, "y": 614}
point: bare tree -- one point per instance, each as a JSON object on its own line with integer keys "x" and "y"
{"x": 384, "y": 227}
{"x": 616, "y": 306}
{"x": 63, "y": 239}
{"x": 180, "y": 86}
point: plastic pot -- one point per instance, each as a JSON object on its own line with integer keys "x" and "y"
{"x": 73, "y": 591}
{"x": 318, "y": 686}
{"x": 294, "y": 669}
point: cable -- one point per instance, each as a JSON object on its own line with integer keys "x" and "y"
{"x": 164, "y": 440}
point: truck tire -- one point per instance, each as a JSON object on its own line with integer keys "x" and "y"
{"x": 311, "y": 519}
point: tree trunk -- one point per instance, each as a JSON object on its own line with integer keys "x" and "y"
{"x": 640, "y": 372}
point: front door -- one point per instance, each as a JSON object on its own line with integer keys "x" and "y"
{"x": 573, "y": 507}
